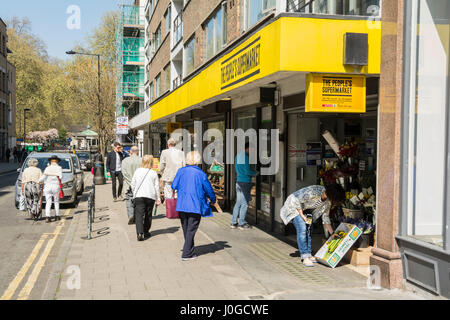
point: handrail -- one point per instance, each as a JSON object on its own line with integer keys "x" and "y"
{"x": 295, "y": 7}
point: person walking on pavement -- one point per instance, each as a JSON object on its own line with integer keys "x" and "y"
{"x": 243, "y": 188}
{"x": 31, "y": 187}
{"x": 129, "y": 167}
{"x": 319, "y": 200}
{"x": 170, "y": 161}
{"x": 52, "y": 181}
{"x": 114, "y": 168}
{"x": 194, "y": 190}
{"x": 8, "y": 154}
{"x": 145, "y": 186}
{"x": 15, "y": 154}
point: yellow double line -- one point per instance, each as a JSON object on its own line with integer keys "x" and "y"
{"x": 26, "y": 290}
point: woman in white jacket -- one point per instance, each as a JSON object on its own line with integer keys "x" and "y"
{"x": 51, "y": 177}
{"x": 145, "y": 186}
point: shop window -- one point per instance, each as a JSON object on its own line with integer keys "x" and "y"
{"x": 189, "y": 56}
{"x": 428, "y": 109}
{"x": 168, "y": 18}
{"x": 256, "y": 10}
{"x": 216, "y": 32}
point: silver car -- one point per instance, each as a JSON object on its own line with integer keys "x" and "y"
{"x": 69, "y": 179}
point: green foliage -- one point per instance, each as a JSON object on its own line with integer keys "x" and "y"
{"x": 62, "y": 133}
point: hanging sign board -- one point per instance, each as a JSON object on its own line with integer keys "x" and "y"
{"x": 172, "y": 126}
{"x": 335, "y": 93}
{"x": 122, "y": 125}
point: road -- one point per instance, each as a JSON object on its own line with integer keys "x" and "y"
{"x": 28, "y": 248}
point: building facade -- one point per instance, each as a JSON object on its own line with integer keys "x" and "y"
{"x": 413, "y": 239}
{"x": 130, "y": 60}
{"x": 311, "y": 70}
{"x": 7, "y": 96}
{"x": 11, "y": 106}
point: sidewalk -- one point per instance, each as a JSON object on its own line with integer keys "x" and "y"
{"x": 8, "y": 167}
{"x": 232, "y": 264}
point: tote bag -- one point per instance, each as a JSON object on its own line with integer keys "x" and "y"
{"x": 171, "y": 208}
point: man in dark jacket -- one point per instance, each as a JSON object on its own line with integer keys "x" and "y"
{"x": 114, "y": 168}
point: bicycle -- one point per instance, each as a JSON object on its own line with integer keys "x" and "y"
{"x": 91, "y": 210}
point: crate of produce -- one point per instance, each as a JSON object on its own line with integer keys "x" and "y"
{"x": 332, "y": 252}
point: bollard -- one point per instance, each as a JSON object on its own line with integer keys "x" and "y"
{"x": 99, "y": 169}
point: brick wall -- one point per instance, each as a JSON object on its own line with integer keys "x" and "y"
{"x": 162, "y": 56}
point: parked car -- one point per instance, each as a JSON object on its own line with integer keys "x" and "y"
{"x": 79, "y": 173}
{"x": 69, "y": 179}
{"x": 85, "y": 160}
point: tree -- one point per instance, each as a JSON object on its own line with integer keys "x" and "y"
{"x": 62, "y": 133}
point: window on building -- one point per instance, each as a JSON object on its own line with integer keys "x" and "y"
{"x": 428, "y": 107}
{"x": 168, "y": 18}
{"x": 216, "y": 32}
{"x": 158, "y": 86}
{"x": 256, "y": 10}
{"x": 158, "y": 37}
{"x": 167, "y": 77}
{"x": 189, "y": 56}
{"x": 150, "y": 93}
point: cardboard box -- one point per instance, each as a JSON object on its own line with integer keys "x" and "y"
{"x": 332, "y": 258}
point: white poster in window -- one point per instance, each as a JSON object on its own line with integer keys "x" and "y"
{"x": 122, "y": 125}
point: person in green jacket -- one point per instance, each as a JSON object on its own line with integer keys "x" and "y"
{"x": 243, "y": 188}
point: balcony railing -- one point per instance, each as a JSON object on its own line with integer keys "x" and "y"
{"x": 177, "y": 29}
{"x": 177, "y": 82}
{"x": 336, "y": 7}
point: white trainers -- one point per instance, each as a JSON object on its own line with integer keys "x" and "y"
{"x": 308, "y": 263}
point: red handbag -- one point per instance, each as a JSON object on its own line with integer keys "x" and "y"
{"x": 61, "y": 192}
{"x": 171, "y": 208}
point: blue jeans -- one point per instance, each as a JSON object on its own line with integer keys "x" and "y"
{"x": 242, "y": 199}
{"x": 303, "y": 237}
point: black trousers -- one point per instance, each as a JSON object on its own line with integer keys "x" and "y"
{"x": 119, "y": 176}
{"x": 143, "y": 208}
{"x": 189, "y": 223}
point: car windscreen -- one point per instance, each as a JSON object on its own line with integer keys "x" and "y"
{"x": 83, "y": 156}
{"x": 43, "y": 163}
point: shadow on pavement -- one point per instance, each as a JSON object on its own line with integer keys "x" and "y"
{"x": 164, "y": 231}
{"x": 211, "y": 248}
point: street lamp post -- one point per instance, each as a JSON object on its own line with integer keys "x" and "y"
{"x": 99, "y": 177}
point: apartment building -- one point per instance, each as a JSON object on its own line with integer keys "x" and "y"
{"x": 241, "y": 64}
{"x": 5, "y": 115}
{"x": 11, "y": 105}
{"x": 130, "y": 60}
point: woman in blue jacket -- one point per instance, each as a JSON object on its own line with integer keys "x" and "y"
{"x": 194, "y": 190}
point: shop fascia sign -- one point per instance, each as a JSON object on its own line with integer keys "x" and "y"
{"x": 335, "y": 93}
{"x": 242, "y": 65}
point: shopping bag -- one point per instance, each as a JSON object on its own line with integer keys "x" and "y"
{"x": 61, "y": 192}
{"x": 22, "y": 203}
{"x": 171, "y": 209}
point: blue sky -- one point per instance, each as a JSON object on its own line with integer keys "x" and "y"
{"x": 49, "y": 20}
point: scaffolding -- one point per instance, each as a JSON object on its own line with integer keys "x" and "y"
{"x": 130, "y": 58}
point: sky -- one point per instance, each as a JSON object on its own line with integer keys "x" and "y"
{"x": 49, "y": 20}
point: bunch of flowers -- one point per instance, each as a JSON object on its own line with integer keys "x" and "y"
{"x": 42, "y": 136}
{"x": 364, "y": 225}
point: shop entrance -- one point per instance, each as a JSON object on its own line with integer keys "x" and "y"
{"x": 312, "y": 161}
{"x": 261, "y": 207}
